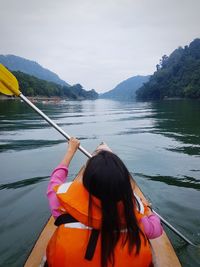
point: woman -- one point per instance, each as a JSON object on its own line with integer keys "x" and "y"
{"x": 101, "y": 222}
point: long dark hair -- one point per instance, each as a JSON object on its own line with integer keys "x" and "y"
{"x": 107, "y": 178}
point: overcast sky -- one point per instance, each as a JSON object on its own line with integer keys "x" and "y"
{"x": 97, "y": 43}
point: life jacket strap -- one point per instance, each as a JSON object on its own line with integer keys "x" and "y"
{"x": 64, "y": 218}
{"x": 92, "y": 244}
{"x": 67, "y": 218}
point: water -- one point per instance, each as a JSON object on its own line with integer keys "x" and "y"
{"x": 158, "y": 141}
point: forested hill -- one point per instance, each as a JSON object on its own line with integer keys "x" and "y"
{"x": 126, "y": 89}
{"x": 176, "y": 76}
{"x": 30, "y": 67}
{"x": 32, "y": 86}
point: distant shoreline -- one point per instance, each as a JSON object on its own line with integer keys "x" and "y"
{"x": 32, "y": 98}
{"x": 35, "y": 99}
{"x": 44, "y": 99}
{"x": 57, "y": 99}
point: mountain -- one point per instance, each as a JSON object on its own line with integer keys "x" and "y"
{"x": 176, "y": 76}
{"x": 126, "y": 89}
{"x": 32, "y": 86}
{"x": 34, "y": 80}
{"x": 16, "y": 63}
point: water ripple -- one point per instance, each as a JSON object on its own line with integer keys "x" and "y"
{"x": 185, "y": 181}
{"x": 23, "y": 183}
{"x": 189, "y": 150}
{"x": 19, "y": 145}
{"x": 27, "y": 144}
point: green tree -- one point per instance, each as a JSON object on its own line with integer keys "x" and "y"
{"x": 176, "y": 76}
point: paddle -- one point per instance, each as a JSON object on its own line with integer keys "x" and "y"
{"x": 9, "y": 86}
{"x": 172, "y": 228}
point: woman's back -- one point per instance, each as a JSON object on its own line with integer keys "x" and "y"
{"x": 73, "y": 239}
{"x": 68, "y": 246}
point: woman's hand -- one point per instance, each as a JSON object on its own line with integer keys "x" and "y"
{"x": 73, "y": 144}
{"x": 71, "y": 150}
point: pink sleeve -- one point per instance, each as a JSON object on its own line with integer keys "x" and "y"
{"x": 58, "y": 176}
{"x": 152, "y": 226}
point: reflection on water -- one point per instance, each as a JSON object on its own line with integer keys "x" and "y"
{"x": 158, "y": 141}
{"x": 190, "y": 150}
{"x": 23, "y": 183}
{"x": 18, "y": 145}
{"x": 186, "y": 181}
{"x": 179, "y": 120}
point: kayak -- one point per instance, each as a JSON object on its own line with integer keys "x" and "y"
{"x": 162, "y": 250}
{"x": 37, "y": 256}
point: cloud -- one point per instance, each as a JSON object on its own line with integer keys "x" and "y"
{"x": 97, "y": 43}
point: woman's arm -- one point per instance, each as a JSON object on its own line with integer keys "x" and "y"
{"x": 72, "y": 148}
{"x": 152, "y": 225}
{"x": 59, "y": 176}
{"x": 151, "y": 222}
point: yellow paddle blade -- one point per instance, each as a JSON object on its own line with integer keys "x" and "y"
{"x": 8, "y": 82}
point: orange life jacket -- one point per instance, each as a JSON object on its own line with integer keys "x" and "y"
{"x": 68, "y": 245}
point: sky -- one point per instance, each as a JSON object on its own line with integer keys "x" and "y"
{"x": 97, "y": 43}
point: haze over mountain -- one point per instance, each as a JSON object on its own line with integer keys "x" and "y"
{"x": 30, "y": 67}
{"x": 126, "y": 89}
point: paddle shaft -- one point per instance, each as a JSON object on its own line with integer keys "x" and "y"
{"x": 170, "y": 226}
{"x": 28, "y": 102}
{"x": 174, "y": 229}
{"x": 85, "y": 152}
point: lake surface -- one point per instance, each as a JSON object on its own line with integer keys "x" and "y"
{"x": 158, "y": 141}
